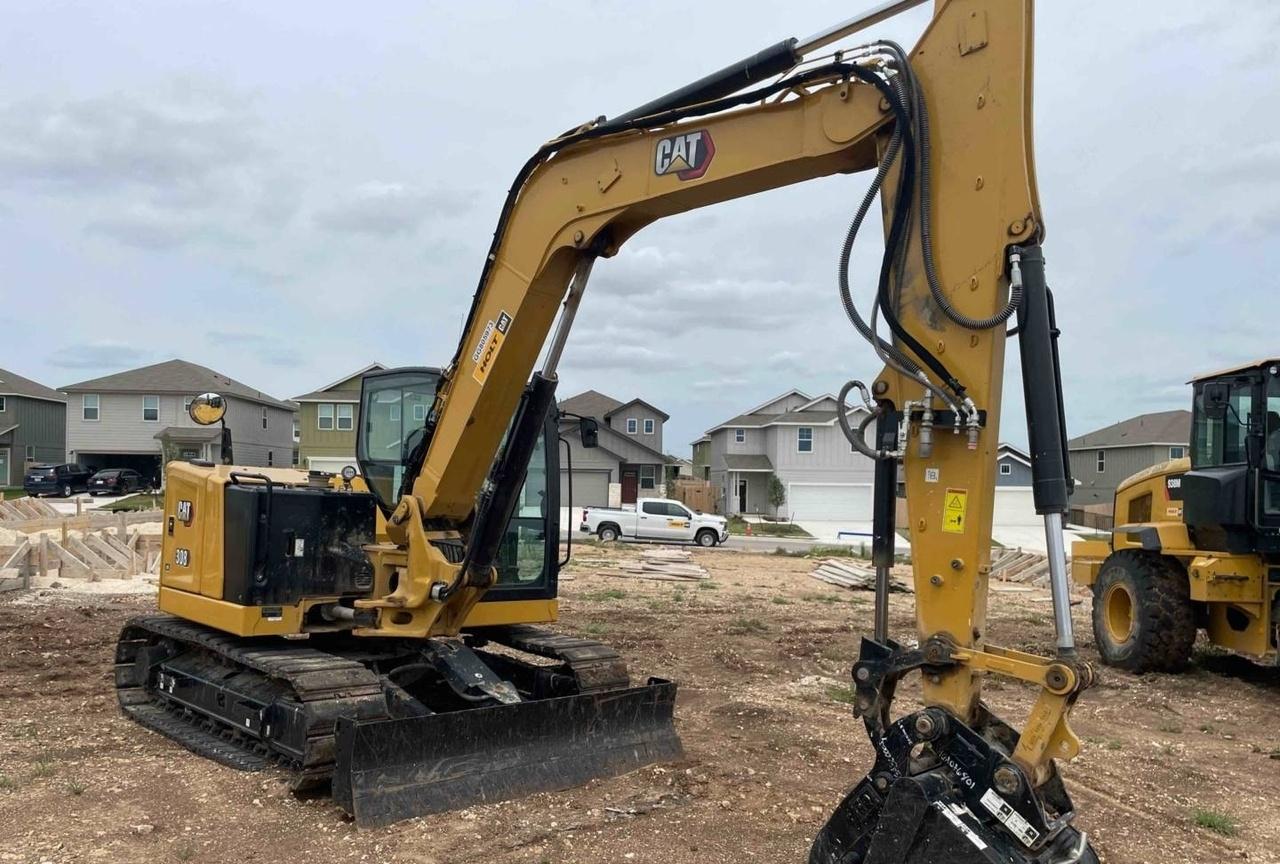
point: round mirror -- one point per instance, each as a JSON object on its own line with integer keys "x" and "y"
{"x": 348, "y": 473}
{"x": 207, "y": 409}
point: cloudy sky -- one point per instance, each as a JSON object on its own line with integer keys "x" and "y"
{"x": 287, "y": 191}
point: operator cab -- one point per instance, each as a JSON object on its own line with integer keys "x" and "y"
{"x": 395, "y": 405}
{"x": 1231, "y": 495}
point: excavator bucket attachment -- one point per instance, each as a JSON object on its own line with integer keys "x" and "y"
{"x": 387, "y": 770}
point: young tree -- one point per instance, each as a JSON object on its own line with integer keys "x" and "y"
{"x": 777, "y": 493}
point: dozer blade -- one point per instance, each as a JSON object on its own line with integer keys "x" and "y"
{"x": 388, "y": 770}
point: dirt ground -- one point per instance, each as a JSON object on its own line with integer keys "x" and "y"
{"x": 770, "y": 749}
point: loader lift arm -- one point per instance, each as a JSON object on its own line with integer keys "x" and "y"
{"x": 966, "y": 207}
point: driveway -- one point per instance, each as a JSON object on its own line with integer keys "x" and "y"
{"x": 846, "y": 533}
{"x": 1030, "y": 538}
{"x": 87, "y": 502}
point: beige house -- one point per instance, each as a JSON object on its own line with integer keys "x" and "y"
{"x": 327, "y": 423}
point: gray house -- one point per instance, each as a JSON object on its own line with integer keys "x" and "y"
{"x": 138, "y": 419}
{"x": 1013, "y": 466}
{"x": 630, "y": 452}
{"x": 33, "y": 426}
{"x": 1102, "y": 459}
{"x": 795, "y": 437}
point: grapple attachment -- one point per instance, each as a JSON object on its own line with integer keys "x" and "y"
{"x": 388, "y": 770}
{"x": 943, "y": 791}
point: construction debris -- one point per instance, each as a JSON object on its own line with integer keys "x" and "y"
{"x": 835, "y": 571}
{"x": 662, "y": 564}
{"x": 1017, "y": 565}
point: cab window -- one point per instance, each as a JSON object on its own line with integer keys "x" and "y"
{"x": 654, "y": 508}
{"x": 1221, "y": 440}
{"x": 522, "y": 552}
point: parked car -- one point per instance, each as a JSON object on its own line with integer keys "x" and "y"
{"x": 117, "y": 481}
{"x": 64, "y": 479}
{"x": 655, "y": 519}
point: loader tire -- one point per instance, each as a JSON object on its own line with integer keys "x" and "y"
{"x": 1143, "y": 620}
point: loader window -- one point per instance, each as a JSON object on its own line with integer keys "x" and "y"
{"x": 1218, "y": 436}
{"x": 1270, "y": 475}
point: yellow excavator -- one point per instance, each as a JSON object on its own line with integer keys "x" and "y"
{"x": 400, "y": 670}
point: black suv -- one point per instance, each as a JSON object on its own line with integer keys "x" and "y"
{"x": 117, "y": 481}
{"x": 65, "y": 479}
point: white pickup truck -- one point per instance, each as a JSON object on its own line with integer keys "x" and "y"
{"x": 655, "y": 519}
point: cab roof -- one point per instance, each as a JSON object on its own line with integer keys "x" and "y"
{"x": 1231, "y": 370}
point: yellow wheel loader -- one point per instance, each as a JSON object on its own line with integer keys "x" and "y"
{"x": 1196, "y": 543}
{"x": 398, "y": 668}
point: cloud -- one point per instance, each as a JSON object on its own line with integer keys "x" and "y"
{"x": 385, "y": 209}
{"x": 100, "y": 355}
{"x": 271, "y": 350}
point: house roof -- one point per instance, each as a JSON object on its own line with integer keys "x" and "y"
{"x": 705, "y": 439}
{"x": 321, "y": 394}
{"x": 759, "y": 409}
{"x": 607, "y": 431}
{"x": 189, "y": 433}
{"x": 590, "y": 403}
{"x": 655, "y": 409}
{"x": 799, "y": 417}
{"x": 1159, "y": 427}
{"x": 13, "y": 384}
{"x": 747, "y": 462}
{"x": 1015, "y": 453}
{"x": 176, "y": 376}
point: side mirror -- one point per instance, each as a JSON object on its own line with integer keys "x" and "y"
{"x": 1215, "y": 400}
{"x": 590, "y": 431}
{"x": 207, "y": 409}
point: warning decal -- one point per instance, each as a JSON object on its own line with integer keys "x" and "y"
{"x": 954, "y": 506}
{"x": 489, "y": 344}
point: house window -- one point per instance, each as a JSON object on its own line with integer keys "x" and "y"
{"x": 297, "y": 433}
{"x": 419, "y": 412}
{"x": 346, "y": 417}
{"x": 1177, "y": 452}
{"x": 3, "y": 403}
{"x": 804, "y": 439}
{"x": 264, "y": 417}
{"x": 648, "y": 476}
{"x": 324, "y": 416}
{"x": 631, "y": 426}
{"x": 393, "y": 412}
{"x": 151, "y": 409}
{"x": 740, "y": 436}
{"x": 186, "y": 405}
{"x": 270, "y": 458}
{"x": 648, "y": 427}
{"x": 31, "y": 452}
{"x": 1005, "y": 469}
{"x": 1102, "y": 461}
{"x": 89, "y": 407}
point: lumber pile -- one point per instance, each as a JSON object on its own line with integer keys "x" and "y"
{"x": 90, "y": 556}
{"x": 844, "y": 573}
{"x": 22, "y": 509}
{"x": 660, "y": 564}
{"x": 1016, "y": 565}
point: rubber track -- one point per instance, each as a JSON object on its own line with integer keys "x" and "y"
{"x": 595, "y": 665}
{"x": 324, "y": 684}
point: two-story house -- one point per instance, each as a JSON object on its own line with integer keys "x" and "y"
{"x": 630, "y": 452}
{"x": 327, "y": 422}
{"x": 795, "y": 437}
{"x": 1102, "y": 459}
{"x": 33, "y": 426}
{"x": 138, "y": 419}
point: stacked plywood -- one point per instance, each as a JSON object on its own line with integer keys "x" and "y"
{"x": 846, "y": 574}
{"x": 662, "y": 564}
{"x": 1016, "y": 565}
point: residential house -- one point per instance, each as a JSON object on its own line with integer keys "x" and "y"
{"x": 702, "y": 458}
{"x": 138, "y": 419}
{"x": 630, "y": 452}
{"x": 795, "y": 437}
{"x": 1102, "y": 459}
{"x": 327, "y": 423}
{"x": 1013, "y": 467}
{"x": 33, "y": 426}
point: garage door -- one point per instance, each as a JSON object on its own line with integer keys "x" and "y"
{"x": 331, "y": 464}
{"x": 1015, "y": 507}
{"x": 829, "y": 502}
{"x": 590, "y": 488}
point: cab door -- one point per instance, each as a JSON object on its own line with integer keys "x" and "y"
{"x": 652, "y": 520}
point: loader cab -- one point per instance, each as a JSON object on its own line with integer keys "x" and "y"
{"x": 1231, "y": 495}
{"x": 394, "y": 407}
